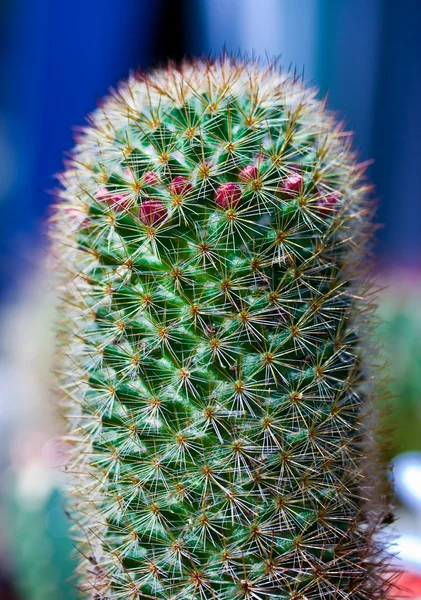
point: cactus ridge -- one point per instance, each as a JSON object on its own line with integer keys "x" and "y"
{"x": 209, "y": 226}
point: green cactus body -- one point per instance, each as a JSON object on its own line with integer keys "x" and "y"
{"x": 210, "y": 341}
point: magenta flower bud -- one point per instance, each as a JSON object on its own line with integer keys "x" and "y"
{"x": 228, "y": 195}
{"x": 150, "y": 178}
{"x": 248, "y": 173}
{"x": 152, "y": 212}
{"x": 118, "y": 202}
{"x": 180, "y": 186}
{"x": 102, "y": 194}
{"x": 327, "y": 204}
{"x": 292, "y": 184}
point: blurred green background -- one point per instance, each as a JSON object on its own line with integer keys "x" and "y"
{"x": 399, "y": 343}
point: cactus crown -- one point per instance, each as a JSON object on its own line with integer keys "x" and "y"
{"x": 210, "y": 341}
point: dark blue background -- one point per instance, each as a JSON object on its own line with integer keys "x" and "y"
{"x": 58, "y": 57}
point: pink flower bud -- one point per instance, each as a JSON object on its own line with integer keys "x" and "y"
{"x": 180, "y": 186}
{"x": 152, "y": 212}
{"x": 248, "y": 173}
{"x": 118, "y": 202}
{"x": 228, "y": 195}
{"x": 150, "y": 178}
{"x": 327, "y": 204}
{"x": 292, "y": 184}
{"x": 102, "y": 194}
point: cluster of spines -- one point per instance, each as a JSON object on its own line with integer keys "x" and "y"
{"x": 212, "y": 328}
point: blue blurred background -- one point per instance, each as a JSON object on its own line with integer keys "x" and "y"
{"x": 58, "y": 58}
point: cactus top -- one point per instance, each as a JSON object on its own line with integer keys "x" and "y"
{"x": 211, "y": 356}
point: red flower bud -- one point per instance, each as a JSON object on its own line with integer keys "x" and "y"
{"x": 228, "y": 195}
{"x": 102, "y": 194}
{"x": 248, "y": 173}
{"x": 118, "y": 202}
{"x": 180, "y": 186}
{"x": 150, "y": 178}
{"x": 152, "y": 212}
{"x": 327, "y": 204}
{"x": 292, "y": 184}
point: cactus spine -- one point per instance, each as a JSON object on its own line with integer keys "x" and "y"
{"x": 211, "y": 224}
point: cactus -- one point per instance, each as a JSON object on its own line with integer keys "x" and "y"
{"x": 211, "y": 241}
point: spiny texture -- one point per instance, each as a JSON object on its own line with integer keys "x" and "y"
{"x": 209, "y": 226}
